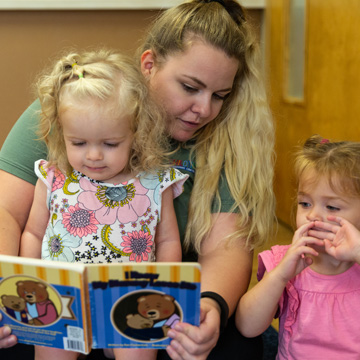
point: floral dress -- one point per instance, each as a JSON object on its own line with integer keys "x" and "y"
{"x": 96, "y": 222}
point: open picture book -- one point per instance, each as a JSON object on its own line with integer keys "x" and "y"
{"x": 78, "y": 306}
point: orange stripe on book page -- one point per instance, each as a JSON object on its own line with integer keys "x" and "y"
{"x": 175, "y": 273}
{"x": 41, "y": 273}
{"x": 18, "y": 269}
{"x": 64, "y": 277}
{"x": 104, "y": 273}
{"x": 151, "y": 269}
{"x": 197, "y": 274}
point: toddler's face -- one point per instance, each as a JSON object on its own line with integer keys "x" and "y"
{"x": 317, "y": 200}
{"x": 98, "y": 141}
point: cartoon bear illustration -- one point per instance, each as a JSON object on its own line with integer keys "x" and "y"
{"x": 141, "y": 328}
{"x": 159, "y": 308}
{"x": 136, "y": 321}
{"x": 15, "y": 306}
{"x": 39, "y": 306}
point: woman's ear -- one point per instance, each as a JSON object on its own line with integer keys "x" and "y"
{"x": 147, "y": 63}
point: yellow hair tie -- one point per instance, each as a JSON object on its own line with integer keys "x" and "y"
{"x": 74, "y": 66}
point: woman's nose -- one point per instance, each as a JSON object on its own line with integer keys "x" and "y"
{"x": 202, "y": 106}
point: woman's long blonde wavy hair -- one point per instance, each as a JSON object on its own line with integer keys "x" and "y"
{"x": 102, "y": 75}
{"x": 239, "y": 141}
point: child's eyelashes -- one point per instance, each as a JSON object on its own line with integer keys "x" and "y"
{"x": 80, "y": 143}
{"x": 332, "y": 208}
{"x": 113, "y": 145}
{"x": 304, "y": 204}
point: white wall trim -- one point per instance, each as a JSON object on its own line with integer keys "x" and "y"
{"x": 104, "y": 4}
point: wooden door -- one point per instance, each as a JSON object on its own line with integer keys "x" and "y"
{"x": 331, "y": 105}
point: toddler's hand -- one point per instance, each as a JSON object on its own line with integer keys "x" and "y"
{"x": 295, "y": 259}
{"x": 341, "y": 238}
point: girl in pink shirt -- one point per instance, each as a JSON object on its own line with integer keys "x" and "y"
{"x": 312, "y": 288}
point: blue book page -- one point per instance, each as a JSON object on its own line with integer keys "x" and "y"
{"x": 134, "y": 306}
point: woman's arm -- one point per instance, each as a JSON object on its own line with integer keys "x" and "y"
{"x": 16, "y": 196}
{"x": 167, "y": 238}
{"x": 225, "y": 270}
{"x": 33, "y": 234}
{"x": 17, "y": 179}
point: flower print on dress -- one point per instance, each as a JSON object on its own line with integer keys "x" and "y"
{"x": 152, "y": 182}
{"x": 54, "y": 176}
{"x": 79, "y": 222}
{"x": 155, "y": 181}
{"x": 138, "y": 244}
{"x": 57, "y": 244}
{"x": 58, "y": 181}
{"x": 125, "y": 203}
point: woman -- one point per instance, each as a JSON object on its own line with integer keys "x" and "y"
{"x": 201, "y": 61}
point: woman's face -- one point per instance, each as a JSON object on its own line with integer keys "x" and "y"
{"x": 191, "y": 86}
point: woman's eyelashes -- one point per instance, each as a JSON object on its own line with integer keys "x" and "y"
{"x": 191, "y": 89}
{"x": 220, "y": 97}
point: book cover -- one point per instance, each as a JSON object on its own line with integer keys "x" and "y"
{"x": 79, "y": 306}
{"x": 136, "y": 305}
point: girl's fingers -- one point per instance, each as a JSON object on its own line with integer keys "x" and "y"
{"x": 336, "y": 219}
{"x": 322, "y": 234}
{"x": 302, "y": 231}
{"x": 329, "y": 248}
{"x": 308, "y": 240}
{"x": 307, "y": 250}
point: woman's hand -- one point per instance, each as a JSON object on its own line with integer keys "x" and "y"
{"x": 193, "y": 342}
{"x": 225, "y": 270}
{"x": 6, "y": 339}
{"x": 341, "y": 238}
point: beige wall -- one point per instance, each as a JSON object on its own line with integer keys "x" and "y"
{"x": 29, "y": 39}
